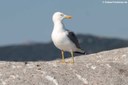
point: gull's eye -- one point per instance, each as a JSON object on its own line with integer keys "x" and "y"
{"x": 61, "y": 15}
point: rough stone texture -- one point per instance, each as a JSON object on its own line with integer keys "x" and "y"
{"x": 104, "y": 68}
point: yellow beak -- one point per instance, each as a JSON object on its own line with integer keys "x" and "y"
{"x": 68, "y": 17}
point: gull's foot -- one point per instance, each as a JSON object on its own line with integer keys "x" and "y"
{"x": 63, "y": 62}
{"x": 70, "y": 62}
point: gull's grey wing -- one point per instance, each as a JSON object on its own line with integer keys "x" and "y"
{"x": 73, "y": 38}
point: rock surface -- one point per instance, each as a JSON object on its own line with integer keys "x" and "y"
{"x": 104, "y": 68}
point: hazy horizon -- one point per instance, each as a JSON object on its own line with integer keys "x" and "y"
{"x": 30, "y": 20}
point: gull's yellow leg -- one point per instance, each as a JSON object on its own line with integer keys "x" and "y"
{"x": 72, "y": 54}
{"x": 62, "y": 54}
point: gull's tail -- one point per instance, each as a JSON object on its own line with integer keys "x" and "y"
{"x": 80, "y": 51}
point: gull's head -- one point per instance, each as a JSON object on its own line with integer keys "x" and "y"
{"x": 58, "y": 16}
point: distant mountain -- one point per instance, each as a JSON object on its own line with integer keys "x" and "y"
{"x": 47, "y": 51}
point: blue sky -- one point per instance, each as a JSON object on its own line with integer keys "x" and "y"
{"x": 23, "y": 21}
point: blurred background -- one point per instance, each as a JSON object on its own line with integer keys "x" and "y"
{"x": 26, "y": 27}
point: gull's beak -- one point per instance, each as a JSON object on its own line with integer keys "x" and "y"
{"x": 68, "y": 17}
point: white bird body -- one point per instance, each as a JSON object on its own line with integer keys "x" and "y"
{"x": 63, "y": 42}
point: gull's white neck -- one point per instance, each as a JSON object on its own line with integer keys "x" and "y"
{"x": 58, "y": 26}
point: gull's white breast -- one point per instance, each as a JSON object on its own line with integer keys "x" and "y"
{"x": 62, "y": 42}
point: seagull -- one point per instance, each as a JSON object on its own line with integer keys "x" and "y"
{"x": 64, "y": 39}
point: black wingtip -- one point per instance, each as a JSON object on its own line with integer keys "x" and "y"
{"x": 83, "y": 53}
